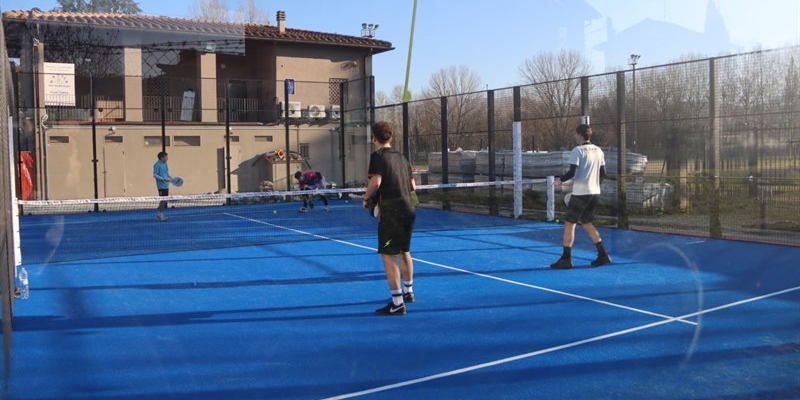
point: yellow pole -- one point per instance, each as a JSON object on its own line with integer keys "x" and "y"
{"x": 406, "y": 93}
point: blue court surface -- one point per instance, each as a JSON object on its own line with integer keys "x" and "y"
{"x": 262, "y": 302}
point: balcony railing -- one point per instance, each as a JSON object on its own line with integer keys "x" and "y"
{"x": 107, "y": 110}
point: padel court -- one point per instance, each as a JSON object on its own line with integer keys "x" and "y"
{"x": 263, "y": 302}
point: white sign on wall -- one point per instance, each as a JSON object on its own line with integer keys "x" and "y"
{"x": 59, "y": 84}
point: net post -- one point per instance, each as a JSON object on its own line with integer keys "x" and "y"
{"x": 551, "y": 203}
{"x": 517, "y": 139}
{"x": 516, "y": 133}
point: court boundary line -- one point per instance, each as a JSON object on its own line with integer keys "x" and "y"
{"x": 528, "y": 285}
{"x": 665, "y": 319}
{"x": 555, "y": 291}
{"x": 554, "y": 348}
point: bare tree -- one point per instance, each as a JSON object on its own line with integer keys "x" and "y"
{"x": 397, "y": 94}
{"x": 555, "y": 93}
{"x": 451, "y": 81}
{"x": 218, "y": 10}
{"x": 115, "y": 6}
{"x": 250, "y": 13}
{"x": 459, "y": 85}
{"x": 210, "y": 10}
{"x": 381, "y": 98}
{"x": 395, "y": 97}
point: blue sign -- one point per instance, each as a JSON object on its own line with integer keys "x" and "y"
{"x": 290, "y": 85}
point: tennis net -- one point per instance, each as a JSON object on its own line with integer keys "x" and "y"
{"x": 68, "y": 230}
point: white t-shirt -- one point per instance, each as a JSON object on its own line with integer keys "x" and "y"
{"x": 589, "y": 158}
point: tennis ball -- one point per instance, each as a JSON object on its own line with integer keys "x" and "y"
{"x": 274, "y": 211}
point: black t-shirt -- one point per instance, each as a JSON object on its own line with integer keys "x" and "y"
{"x": 395, "y": 172}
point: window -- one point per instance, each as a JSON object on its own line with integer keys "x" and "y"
{"x": 187, "y": 140}
{"x": 263, "y": 138}
{"x": 113, "y": 139}
{"x": 304, "y": 149}
{"x": 59, "y": 139}
{"x": 154, "y": 141}
{"x": 359, "y": 139}
{"x": 335, "y": 89}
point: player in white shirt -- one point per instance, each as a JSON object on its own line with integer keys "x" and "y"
{"x": 587, "y": 168}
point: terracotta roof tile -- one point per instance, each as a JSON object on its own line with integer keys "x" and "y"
{"x": 168, "y": 24}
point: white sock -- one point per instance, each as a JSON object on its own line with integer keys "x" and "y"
{"x": 409, "y": 286}
{"x": 397, "y": 297}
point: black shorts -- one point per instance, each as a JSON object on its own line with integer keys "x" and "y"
{"x": 163, "y": 192}
{"x": 395, "y": 226}
{"x": 582, "y": 208}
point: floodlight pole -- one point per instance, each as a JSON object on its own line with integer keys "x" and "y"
{"x": 286, "y": 93}
{"x": 93, "y": 100}
{"x": 228, "y": 136}
{"x": 633, "y": 61}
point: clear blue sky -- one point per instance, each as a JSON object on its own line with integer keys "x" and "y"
{"x": 494, "y": 38}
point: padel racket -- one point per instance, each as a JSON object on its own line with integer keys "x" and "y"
{"x": 177, "y": 181}
{"x": 372, "y": 206}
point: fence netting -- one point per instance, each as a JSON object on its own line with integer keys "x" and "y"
{"x": 706, "y": 147}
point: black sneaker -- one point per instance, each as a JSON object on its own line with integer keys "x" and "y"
{"x": 392, "y": 309}
{"x": 601, "y": 260}
{"x": 562, "y": 263}
{"x": 408, "y": 297}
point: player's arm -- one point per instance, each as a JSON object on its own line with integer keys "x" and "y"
{"x": 602, "y": 173}
{"x": 569, "y": 175}
{"x": 160, "y": 178}
{"x": 414, "y": 197}
{"x": 372, "y": 188}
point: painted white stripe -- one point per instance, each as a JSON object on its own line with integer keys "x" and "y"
{"x": 665, "y": 320}
{"x": 476, "y": 273}
{"x": 552, "y": 349}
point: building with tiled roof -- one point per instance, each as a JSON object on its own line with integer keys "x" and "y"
{"x": 180, "y": 84}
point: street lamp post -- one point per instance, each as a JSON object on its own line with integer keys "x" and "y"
{"x": 633, "y": 61}
{"x": 93, "y": 100}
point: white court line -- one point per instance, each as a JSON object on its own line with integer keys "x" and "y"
{"x": 665, "y": 320}
{"x": 577, "y": 296}
{"x": 552, "y": 349}
{"x": 478, "y": 274}
{"x": 301, "y": 232}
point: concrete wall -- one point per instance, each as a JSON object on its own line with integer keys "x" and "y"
{"x": 196, "y": 153}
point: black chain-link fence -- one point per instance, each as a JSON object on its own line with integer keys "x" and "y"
{"x": 7, "y": 242}
{"x": 686, "y": 143}
{"x": 711, "y": 146}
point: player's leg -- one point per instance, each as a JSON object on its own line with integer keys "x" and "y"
{"x": 389, "y": 250}
{"x": 406, "y": 262}
{"x": 587, "y": 219}
{"x": 396, "y": 306}
{"x": 565, "y": 262}
{"x": 574, "y": 211}
{"x": 323, "y": 196}
{"x": 407, "y": 271}
{"x": 305, "y": 203}
{"x": 162, "y": 205}
{"x": 392, "y": 273}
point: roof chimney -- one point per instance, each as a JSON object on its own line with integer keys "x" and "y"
{"x": 281, "y": 21}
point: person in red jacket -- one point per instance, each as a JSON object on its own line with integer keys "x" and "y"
{"x": 311, "y": 180}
